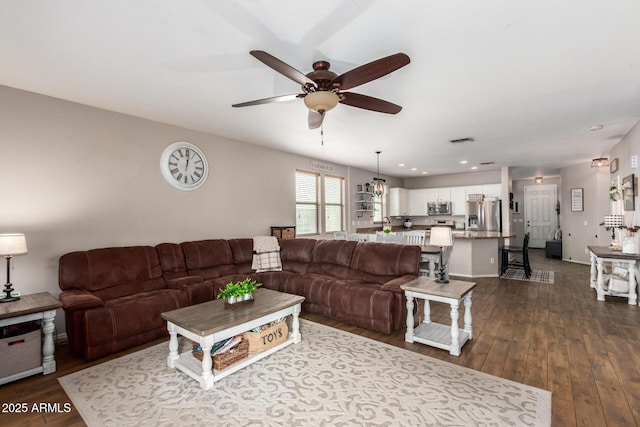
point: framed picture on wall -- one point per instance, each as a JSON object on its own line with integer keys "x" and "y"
{"x": 577, "y": 202}
{"x": 628, "y": 193}
{"x": 613, "y": 166}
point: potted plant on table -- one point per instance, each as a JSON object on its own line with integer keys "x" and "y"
{"x": 238, "y": 291}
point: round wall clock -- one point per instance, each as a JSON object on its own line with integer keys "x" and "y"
{"x": 184, "y": 166}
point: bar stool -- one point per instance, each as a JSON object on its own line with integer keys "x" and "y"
{"x": 523, "y": 251}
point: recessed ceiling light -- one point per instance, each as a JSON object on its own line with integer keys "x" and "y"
{"x": 596, "y": 127}
{"x": 414, "y": 169}
{"x": 463, "y": 162}
{"x": 424, "y": 172}
{"x": 474, "y": 167}
{"x": 401, "y": 165}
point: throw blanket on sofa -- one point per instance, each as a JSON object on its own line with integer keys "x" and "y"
{"x": 266, "y": 254}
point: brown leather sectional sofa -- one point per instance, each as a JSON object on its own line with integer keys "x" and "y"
{"x": 113, "y": 297}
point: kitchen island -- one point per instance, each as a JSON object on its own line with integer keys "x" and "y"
{"x": 474, "y": 254}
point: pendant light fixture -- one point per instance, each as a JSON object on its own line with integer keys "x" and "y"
{"x": 378, "y": 187}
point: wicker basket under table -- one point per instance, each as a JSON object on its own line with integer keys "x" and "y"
{"x": 224, "y": 360}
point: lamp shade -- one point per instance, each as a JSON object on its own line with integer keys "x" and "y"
{"x": 321, "y": 100}
{"x": 13, "y": 244}
{"x": 613, "y": 220}
{"x": 441, "y": 236}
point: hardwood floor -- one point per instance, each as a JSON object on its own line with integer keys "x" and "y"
{"x": 556, "y": 337}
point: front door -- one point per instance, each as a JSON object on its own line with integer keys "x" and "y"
{"x": 539, "y": 213}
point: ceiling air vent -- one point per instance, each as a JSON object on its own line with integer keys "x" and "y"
{"x": 460, "y": 140}
{"x": 486, "y": 163}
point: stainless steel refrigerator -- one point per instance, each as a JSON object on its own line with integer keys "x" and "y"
{"x": 484, "y": 216}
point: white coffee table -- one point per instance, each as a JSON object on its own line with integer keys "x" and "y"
{"x": 435, "y": 334}
{"x": 210, "y": 322}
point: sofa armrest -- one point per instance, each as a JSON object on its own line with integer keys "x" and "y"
{"x": 79, "y": 300}
{"x": 394, "y": 284}
{"x": 179, "y": 282}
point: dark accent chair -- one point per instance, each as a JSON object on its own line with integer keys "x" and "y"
{"x": 553, "y": 245}
{"x": 523, "y": 262}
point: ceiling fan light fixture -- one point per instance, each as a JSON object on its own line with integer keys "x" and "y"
{"x": 321, "y": 100}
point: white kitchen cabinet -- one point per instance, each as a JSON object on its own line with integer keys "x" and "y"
{"x": 444, "y": 194}
{"x": 418, "y": 202}
{"x": 440, "y": 194}
{"x": 431, "y": 194}
{"x": 398, "y": 202}
{"x": 458, "y": 201}
{"x": 473, "y": 189}
{"x": 491, "y": 190}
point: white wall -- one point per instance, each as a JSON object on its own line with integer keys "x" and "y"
{"x": 454, "y": 179}
{"x": 76, "y": 177}
{"x": 581, "y": 229}
{"x": 629, "y": 146}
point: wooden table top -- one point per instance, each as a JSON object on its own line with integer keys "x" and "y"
{"x": 211, "y": 317}
{"x": 27, "y": 304}
{"x": 607, "y": 252}
{"x": 428, "y": 285}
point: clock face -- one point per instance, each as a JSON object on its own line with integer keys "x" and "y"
{"x": 184, "y": 166}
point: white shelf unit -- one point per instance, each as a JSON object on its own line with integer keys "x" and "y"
{"x": 364, "y": 200}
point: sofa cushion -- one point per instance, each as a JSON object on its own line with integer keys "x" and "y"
{"x": 209, "y": 258}
{"x": 127, "y": 270}
{"x": 129, "y": 320}
{"x": 296, "y": 254}
{"x": 332, "y": 258}
{"x": 365, "y": 304}
{"x": 242, "y": 251}
{"x": 381, "y": 262}
{"x": 172, "y": 260}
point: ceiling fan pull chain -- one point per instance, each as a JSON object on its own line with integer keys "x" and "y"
{"x": 322, "y": 134}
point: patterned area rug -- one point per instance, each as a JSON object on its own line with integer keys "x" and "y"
{"x": 331, "y": 378}
{"x": 540, "y": 276}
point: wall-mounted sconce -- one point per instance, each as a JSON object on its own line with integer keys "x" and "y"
{"x": 599, "y": 162}
{"x": 538, "y": 180}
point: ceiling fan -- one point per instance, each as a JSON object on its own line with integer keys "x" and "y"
{"x": 324, "y": 89}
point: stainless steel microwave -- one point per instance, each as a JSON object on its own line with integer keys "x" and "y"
{"x": 439, "y": 208}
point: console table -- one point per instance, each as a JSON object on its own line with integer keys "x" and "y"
{"x": 434, "y": 334}
{"x": 601, "y": 254}
{"x": 41, "y": 306}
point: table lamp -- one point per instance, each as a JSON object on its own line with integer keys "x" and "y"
{"x": 613, "y": 222}
{"x": 10, "y": 245}
{"x": 441, "y": 236}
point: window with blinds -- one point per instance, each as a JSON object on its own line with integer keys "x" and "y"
{"x": 307, "y": 202}
{"x": 333, "y": 203}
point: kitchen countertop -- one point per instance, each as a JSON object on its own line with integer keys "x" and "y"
{"x": 458, "y": 234}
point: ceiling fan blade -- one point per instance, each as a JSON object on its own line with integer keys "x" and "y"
{"x": 315, "y": 119}
{"x": 280, "y": 98}
{"x": 371, "y": 71}
{"x": 369, "y": 103}
{"x": 284, "y": 69}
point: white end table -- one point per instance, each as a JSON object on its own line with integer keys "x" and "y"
{"x": 435, "y": 334}
{"x": 41, "y": 306}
